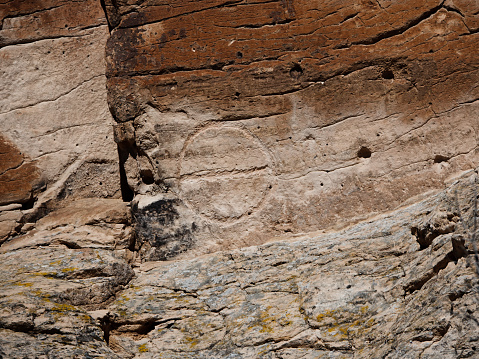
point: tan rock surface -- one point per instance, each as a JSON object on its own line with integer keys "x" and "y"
{"x": 370, "y": 291}
{"x": 401, "y": 285}
{"x": 52, "y": 95}
{"x": 265, "y": 118}
{"x": 84, "y": 223}
{"x": 292, "y": 128}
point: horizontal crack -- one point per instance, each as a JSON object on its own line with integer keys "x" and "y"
{"x": 25, "y": 41}
{"x": 394, "y": 32}
{"x": 54, "y": 99}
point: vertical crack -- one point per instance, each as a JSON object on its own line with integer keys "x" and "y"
{"x": 126, "y": 191}
{"x": 103, "y": 5}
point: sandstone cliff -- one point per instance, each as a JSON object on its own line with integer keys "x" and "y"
{"x": 256, "y": 119}
{"x": 283, "y": 179}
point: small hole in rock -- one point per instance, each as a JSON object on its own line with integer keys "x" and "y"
{"x": 387, "y": 74}
{"x": 296, "y": 71}
{"x": 147, "y": 176}
{"x": 239, "y": 55}
{"x": 364, "y": 152}
{"x": 29, "y": 204}
{"x": 440, "y": 158}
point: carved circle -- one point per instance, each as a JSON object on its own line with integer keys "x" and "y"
{"x": 225, "y": 173}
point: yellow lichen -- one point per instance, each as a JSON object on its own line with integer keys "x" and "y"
{"x": 191, "y": 341}
{"x": 70, "y": 269}
{"x": 46, "y": 274}
{"x": 24, "y": 284}
{"x": 143, "y": 348}
{"x": 343, "y": 323}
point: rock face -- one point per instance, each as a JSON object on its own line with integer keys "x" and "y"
{"x": 55, "y": 127}
{"x": 52, "y": 98}
{"x": 298, "y": 179}
{"x": 258, "y": 119}
{"x": 398, "y": 286}
{"x": 371, "y": 291}
{"x": 18, "y": 178}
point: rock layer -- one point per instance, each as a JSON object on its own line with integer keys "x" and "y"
{"x": 401, "y": 285}
{"x": 238, "y": 123}
{"x": 53, "y": 108}
{"x": 265, "y": 118}
{"x": 52, "y": 98}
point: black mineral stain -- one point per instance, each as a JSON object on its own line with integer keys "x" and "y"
{"x": 159, "y": 226}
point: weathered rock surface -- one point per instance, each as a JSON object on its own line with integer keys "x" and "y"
{"x": 371, "y": 291}
{"x": 401, "y": 285}
{"x": 53, "y": 98}
{"x": 295, "y": 126}
{"x": 270, "y": 117}
{"x": 84, "y": 223}
{"x": 56, "y": 277}
{"x": 55, "y": 126}
{"x": 17, "y": 177}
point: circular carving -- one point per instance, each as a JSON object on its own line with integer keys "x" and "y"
{"x": 225, "y": 173}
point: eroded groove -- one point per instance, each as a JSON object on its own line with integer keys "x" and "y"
{"x": 26, "y": 41}
{"x": 395, "y": 32}
{"x": 228, "y": 3}
{"x": 54, "y": 99}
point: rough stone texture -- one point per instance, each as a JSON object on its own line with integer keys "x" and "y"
{"x": 238, "y": 123}
{"x": 85, "y": 223}
{"x": 56, "y": 277}
{"x": 18, "y": 176}
{"x": 371, "y": 291}
{"x": 401, "y": 285}
{"x": 40, "y": 294}
{"x": 53, "y": 97}
{"x": 269, "y": 117}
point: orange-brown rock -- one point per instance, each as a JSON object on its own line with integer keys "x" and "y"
{"x": 19, "y": 177}
{"x": 291, "y": 116}
{"x": 25, "y": 21}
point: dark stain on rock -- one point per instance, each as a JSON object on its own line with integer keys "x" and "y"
{"x": 133, "y": 20}
{"x": 160, "y": 233}
{"x": 288, "y": 5}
